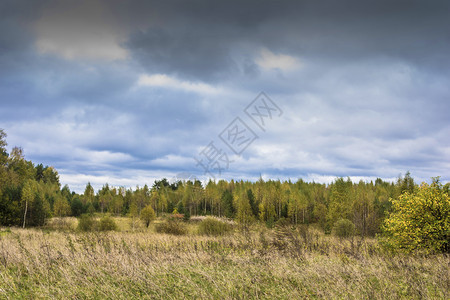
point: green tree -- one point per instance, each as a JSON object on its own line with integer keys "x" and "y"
{"x": 76, "y": 206}
{"x": 269, "y": 201}
{"x": 244, "y": 215}
{"x": 50, "y": 175}
{"x": 227, "y": 204}
{"x": 40, "y": 210}
{"x": 320, "y": 213}
{"x": 88, "y": 195}
{"x": 251, "y": 200}
{"x": 363, "y": 209}
{"x": 3, "y": 144}
{"x": 420, "y": 220}
{"x": 340, "y": 205}
{"x": 297, "y": 205}
{"x": 20, "y": 167}
{"x": 148, "y": 215}
{"x": 61, "y": 207}
{"x": 28, "y": 192}
{"x": 406, "y": 184}
{"x": 104, "y": 197}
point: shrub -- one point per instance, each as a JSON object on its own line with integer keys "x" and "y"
{"x": 171, "y": 226}
{"x": 270, "y": 223}
{"x": 107, "y": 224}
{"x": 211, "y": 226}
{"x": 282, "y": 222}
{"x": 147, "y": 215}
{"x": 344, "y": 228}
{"x": 420, "y": 220}
{"x": 86, "y": 223}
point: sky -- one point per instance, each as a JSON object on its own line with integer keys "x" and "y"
{"x": 126, "y": 92}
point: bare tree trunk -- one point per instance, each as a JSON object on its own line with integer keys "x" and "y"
{"x": 25, "y": 214}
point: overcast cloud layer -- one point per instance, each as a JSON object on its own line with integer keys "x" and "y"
{"x": 126, "y": 92}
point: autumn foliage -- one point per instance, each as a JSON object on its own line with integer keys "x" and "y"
{"x": 420, "y": 220}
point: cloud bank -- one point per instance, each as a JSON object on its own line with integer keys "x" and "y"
{"x": 127, "y": 92}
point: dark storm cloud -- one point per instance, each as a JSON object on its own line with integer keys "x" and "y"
{"x": 205, "y": 41}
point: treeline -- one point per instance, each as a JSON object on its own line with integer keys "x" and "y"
{"x": 30, "y": 194}
{"x": 300, "y": 202}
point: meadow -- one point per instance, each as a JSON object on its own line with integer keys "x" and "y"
{"x": 135, "y": 262}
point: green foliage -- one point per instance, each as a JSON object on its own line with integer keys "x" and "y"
{"x": 344, "y": 228}
{"x": 29, "y": 194}
{"x": 61, "y": 207}
{"x": 282, "y": 222}
{"x": 3, "y": 142}
{"x": 251, "y": 199}
{"x": 186, "y": 215}
{"x": 270, "y": 223}
{"x": 420, "y": 220}
{"x": 147, "y": 215}
{"x": 320, "y": 213}
{"x": 107, "y": 224}
{"x": 172, "y": 226}
{"x": 244, "y": 215}
{"x": 25, "y": 199}
{"x": 227, "y": 200}
{"x": 87, "y": 223}
{"x": 212, "y": 226}
{"x": 340, "y": 204}
{"x": 11, "y": 212}
{"x": 76, "y": 207}
{"x": 406, "y": 184}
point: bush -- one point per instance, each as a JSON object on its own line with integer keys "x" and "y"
{"x": 171, "y": 226}
{"x": 344, "y": 228}
{"x": 283, "y": 222}
{"x": 270, "y": 223}
{"x": 211, "y": 226}
{"x": 107, "y": 224}
{"x": 86, "y": 223}
{"x": 420, "y": 220}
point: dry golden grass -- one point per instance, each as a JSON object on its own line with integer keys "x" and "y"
{"x": 268, "y": 264}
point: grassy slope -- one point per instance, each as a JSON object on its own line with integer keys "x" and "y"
{"x": 266, "y": 264}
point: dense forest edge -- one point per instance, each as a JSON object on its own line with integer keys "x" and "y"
{"x": 403, "y": 214}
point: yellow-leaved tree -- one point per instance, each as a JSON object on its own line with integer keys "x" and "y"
{"x": 420, "y": 220}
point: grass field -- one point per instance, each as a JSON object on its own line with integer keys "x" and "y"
{"x": 282, "y": 263}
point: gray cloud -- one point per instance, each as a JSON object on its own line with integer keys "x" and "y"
{"x": 364, "y": 86}
{"x": 206, "y": 42}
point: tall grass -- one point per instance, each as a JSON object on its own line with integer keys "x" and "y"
{"x": 284, "y": 263}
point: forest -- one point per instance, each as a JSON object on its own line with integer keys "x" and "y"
{"x": 30, "y": 194}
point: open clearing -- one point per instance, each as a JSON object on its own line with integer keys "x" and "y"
{"x": 280, "y": 263}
